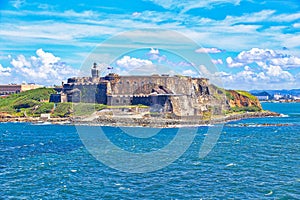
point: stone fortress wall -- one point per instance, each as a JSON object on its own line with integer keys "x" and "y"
{"x": 180, "y": 95}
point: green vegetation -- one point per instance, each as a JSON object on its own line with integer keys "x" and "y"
{"x": 31, "y": 102}
{"x": 245, "y": 109}
{"x": 35, "y": 102}
{"x": 207, "y": 115}
{"x": 219, "y": 93}
{"x": 87, "y": 108}
{"x": 63, "y": 110}
{"x": 246, "y": 94}
{"x": 45, "y": 107}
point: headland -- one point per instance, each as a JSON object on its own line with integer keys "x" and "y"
{"x": 154, "y": 100}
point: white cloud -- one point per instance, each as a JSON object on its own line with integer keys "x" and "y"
{"x": 185, "y": 6}
{"x": 217, "y": 61}
{"x": 5, "y": 71}
{"x": 18, "y": 3}
{"x": 262, "y": 68}
{"x": 154, "y": 51}
{"x": 189, "y": 72}
{"x": 208, "y": 50}
{"x": 263, "y": 57}
{"x": 130, "y": 63}
{"x": 296, "y": 25}
{"x": 253, "y": 78}
{"x": 286, "y": 17}
{"x": 82, "y": 25}
{"x": 136, "y": 14}
{"x": 155, "y": 55}
{"x": 69, "y": 14}
{"x": 277, "y": 74}
{"x": 45, "y": 68}
{"x": 232, "y": 63}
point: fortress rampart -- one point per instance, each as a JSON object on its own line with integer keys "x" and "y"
{"x": 180, "y": 95}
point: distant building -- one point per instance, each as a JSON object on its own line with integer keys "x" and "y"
{"x": 17, "y": 88}
{"x": 296, "y": 97}
{"x": 262, "y": 96}
{"x": 277, "y": 96}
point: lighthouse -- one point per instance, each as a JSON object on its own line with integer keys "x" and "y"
{"x": 95, "y": 71}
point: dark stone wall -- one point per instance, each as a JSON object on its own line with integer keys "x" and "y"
{"x": 101, "y": 93}
{"x": 55, "y": 98}
{"x": 184, "y": 96}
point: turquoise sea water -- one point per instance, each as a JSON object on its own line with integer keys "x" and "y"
{"x": 248, "y": 162}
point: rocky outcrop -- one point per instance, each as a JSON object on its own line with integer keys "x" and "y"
{"x": 242, "y": 99}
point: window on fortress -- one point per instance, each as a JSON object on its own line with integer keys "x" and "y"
{"x": 117, "y": 101}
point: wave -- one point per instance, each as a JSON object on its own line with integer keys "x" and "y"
{"x": 284, "y": 115}
{"x": 230, "y": 165}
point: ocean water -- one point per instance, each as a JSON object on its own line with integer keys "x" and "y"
{"x": 247, "y": 162}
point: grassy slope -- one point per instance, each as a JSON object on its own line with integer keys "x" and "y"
{"x": 35, "y": 102}
{"x": 246, "y": 94}
{"x": 243, "y": 109}
{"x": 32, "y": 101}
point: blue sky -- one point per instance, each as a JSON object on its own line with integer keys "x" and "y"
{"x": 253, "y": 44}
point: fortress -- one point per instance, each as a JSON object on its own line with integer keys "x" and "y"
{"x": 180, "y": 95}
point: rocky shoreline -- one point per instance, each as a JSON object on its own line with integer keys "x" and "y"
{"x": 142, "y": 122}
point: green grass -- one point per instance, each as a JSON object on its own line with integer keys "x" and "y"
{"x": 63, "y": 110}
{"x": 246, "y": 94}
{"x": 87, "y": 108}
{"x": 45, "y": 107}
{"x": 245, "y": 109}
{"x": 35, "y": 102}
{"x": 27, "y": 100}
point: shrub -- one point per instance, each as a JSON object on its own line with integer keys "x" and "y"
{"x": 63, "y": 110}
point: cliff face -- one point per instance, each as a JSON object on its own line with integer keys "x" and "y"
{"x": 241, "y": 99}
{"x": 229, "y": 101}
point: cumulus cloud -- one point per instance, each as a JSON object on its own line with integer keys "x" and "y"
{"x": 189, "y": 72}
{"x": 260, "y": 68}
{"x": 155, "y": 55}
{"x": 5, "y": 71}
{"x": 263, "y": 57}
{"x": 252, "y": 78}
{"x": 208, "y": 50}
{"x": 136, "y": 14}
{"x": 44, "y": 68}
{"x": 217, "y": 61}
{"x": 128, "y": 62}
{"x": 154, "y": 51}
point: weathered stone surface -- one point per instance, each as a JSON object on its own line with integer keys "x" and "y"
{"x": 178, "y": 95}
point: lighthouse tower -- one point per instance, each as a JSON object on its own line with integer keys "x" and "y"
{"x": 95, "y": 71}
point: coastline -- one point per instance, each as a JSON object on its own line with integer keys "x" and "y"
{"x": 156, "y": 122}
